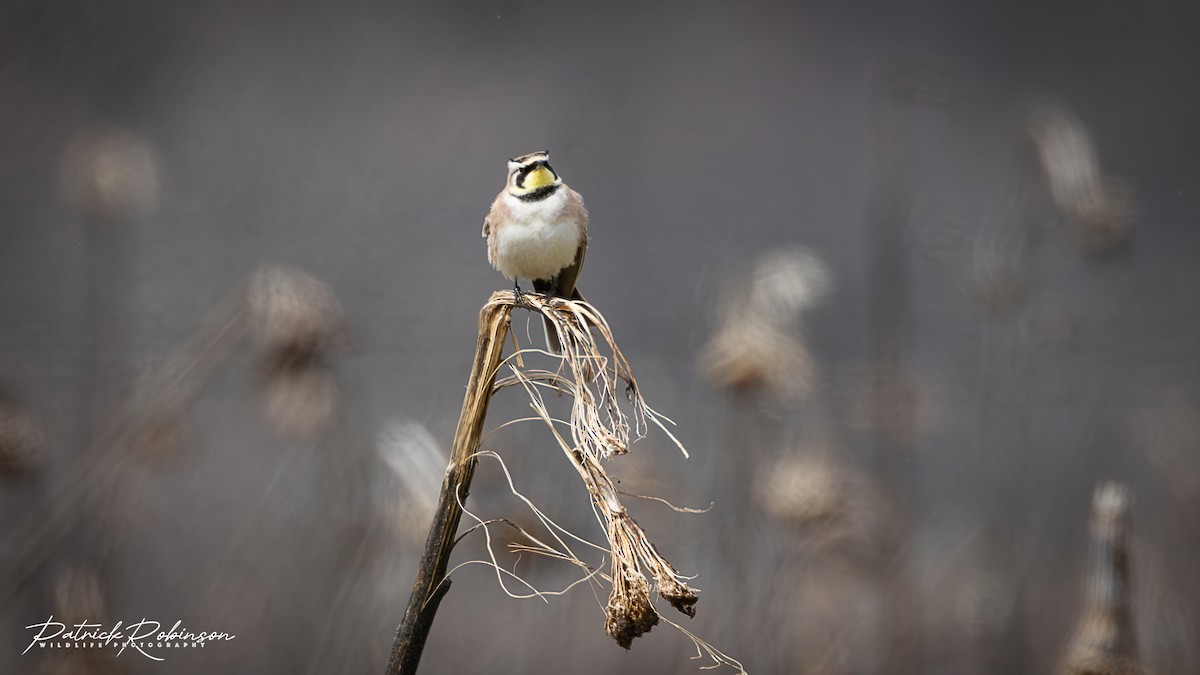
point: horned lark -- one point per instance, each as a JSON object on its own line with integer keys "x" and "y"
{"x": 537, "y": 230}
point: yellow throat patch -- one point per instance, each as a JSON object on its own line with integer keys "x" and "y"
{"x": 539, "y": 177}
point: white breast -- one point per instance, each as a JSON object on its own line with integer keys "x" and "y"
{"x": 538, "y": 241}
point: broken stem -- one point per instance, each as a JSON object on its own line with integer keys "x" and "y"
{"x": 431, "y": 583}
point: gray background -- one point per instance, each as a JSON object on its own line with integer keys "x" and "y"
{"x": 363, "y": 142}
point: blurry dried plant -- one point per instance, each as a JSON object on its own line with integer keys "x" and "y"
{"x": 405, "y": 492}
{"x": 20, "y": 439}
{"x": 749, "y": 355}
{"x": 111, "y": 173}
{"x": 78, "y": 598}
{"x": 801, "y": 489}
{"x": 291, "y": 310}
{"x": 1105, "y": 642}
{"x": 296, "y": 318}
{"x": 758, "y": 345}
{"x": 840, "y": 513}
{"x": 1100, "y": 208}
{"x": 787, "y": 281}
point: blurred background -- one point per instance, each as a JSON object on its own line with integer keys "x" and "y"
{"x": 912, "y": 280}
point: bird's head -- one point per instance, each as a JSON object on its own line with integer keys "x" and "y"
{"x": 530, "y": 176}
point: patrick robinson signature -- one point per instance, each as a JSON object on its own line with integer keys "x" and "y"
{"x": 141, "y": 636}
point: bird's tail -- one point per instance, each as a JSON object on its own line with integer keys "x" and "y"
{"x": 552, "y": 342}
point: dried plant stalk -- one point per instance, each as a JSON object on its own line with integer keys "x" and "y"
{"x": 431, "y": 583}
{"x": 591, "y": 373}
{"x": 1104, "y": 643}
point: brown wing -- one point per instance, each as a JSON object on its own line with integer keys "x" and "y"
{"x": 569, "y": 275}
{"x": 495, "y": 215}
{"x": 565, "y": 280}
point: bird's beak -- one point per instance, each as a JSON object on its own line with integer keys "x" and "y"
{"x": 539, "y": 177}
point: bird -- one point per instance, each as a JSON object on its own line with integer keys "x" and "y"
{"x": 537, "y": 230}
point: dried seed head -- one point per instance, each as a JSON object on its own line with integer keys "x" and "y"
{"x": 758, "y": 346}
{"x": 1101, "y": 209}
{"x": 749, "y": 355}
{"x": 296, "y": 317}
{"x": 788, "y": 280}
{"x": 800, "y": 489}
{"x": 629, "y": 612}
{"x": 1068, "y": 157}
{"x": 20, "y": 439}
{"x": 632, "y": 553}
{"x": 1110, "y": 510}
{"x": 291, "y": 310}
{"x": 679, "y": 595}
